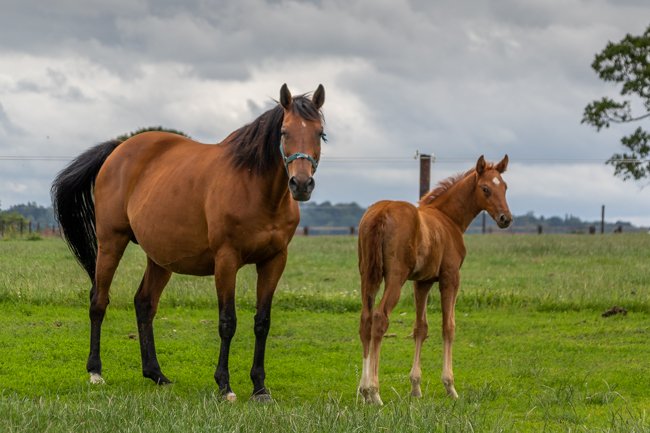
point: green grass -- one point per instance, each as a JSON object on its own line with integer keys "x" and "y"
{"x": 532, "y": 352}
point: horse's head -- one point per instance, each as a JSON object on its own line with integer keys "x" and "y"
{"x": 491, "y": 191}
{"x": 301, "y": 135}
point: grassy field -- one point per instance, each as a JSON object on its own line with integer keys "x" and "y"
{"x": 532, "y": 351}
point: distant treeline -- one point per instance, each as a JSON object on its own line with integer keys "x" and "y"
{"x": 330, "y": 215}
{"x": 529, "y": 223}
{"x": 38, "y": 215}
{"x": 327, "y": 214}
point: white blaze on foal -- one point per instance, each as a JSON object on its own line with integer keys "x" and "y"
{"x": 496, "y": 181}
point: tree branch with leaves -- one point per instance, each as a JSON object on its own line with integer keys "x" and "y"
{"x": 626, "y": 62}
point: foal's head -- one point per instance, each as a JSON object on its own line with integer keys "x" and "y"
{"x": 491, "y": 189}
{"x": 301, "y": 136}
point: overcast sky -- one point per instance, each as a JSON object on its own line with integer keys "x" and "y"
{"x": 454, "y": 78}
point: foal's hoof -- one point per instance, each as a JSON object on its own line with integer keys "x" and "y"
{"x": 371, "y": 395}
{"x": 96, "y": 379}
{"x": 451, "y": 393}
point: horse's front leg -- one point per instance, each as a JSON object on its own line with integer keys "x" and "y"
{"x": 226, "y": 267}
{"x": 268, "y": 275}
{"x": 449, "y": 284}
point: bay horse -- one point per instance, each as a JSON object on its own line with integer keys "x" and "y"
{"x": 197, "y": 209}
{"x": 399, "y": 242}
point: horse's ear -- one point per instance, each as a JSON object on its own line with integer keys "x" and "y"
{"x": 319, "y": 96}
{"x": 480, "y": 165}
{"x": 285, "y": 97}
{"x": 502, "y": 165}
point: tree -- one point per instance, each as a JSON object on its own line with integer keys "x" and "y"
{"x": 628, "y": 63}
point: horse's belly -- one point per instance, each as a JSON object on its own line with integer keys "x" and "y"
{"x": 195, "y": 265}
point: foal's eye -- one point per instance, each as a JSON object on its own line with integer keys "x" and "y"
{"x": 323, "y": 137}
{"x": 486, "y": 191}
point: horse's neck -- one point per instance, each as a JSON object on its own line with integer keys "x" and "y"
{"x": 458, "y": 203}
{"x": 275, "y": 188}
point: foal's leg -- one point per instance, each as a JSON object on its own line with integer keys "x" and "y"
{"x": 268, "y": 275}
{"x": 109, "y": 252}
{"x": 226, "y": 266}
{"x": 393, "y": 287}
{"x": 368, "y": 293}
{"x": 420, "y": 331}
{"x": 146, "y": 305}
{"x": 448, "y": 292}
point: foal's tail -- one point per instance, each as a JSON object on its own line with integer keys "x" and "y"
{"x": 371, "y": 251}
{"x": 74, "y": 207}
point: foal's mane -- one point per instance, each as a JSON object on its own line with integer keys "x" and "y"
{"x": 445, "y": 185}
{"x": 256, "y": 146}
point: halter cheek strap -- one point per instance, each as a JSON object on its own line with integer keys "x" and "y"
{"x": 298, "y": 155}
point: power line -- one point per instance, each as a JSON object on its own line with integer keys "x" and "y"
{"x": 376, "y": 159}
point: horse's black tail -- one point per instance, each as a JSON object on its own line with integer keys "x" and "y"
{"x": 74, "y": 207}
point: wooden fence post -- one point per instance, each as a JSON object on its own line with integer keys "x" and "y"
{"x": 425, "y": 174}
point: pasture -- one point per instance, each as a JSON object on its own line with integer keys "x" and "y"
{"x": 532, "y": 352}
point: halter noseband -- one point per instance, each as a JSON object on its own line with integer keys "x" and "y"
{"x": 298, "y": 155}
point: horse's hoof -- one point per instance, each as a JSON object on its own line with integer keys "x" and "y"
{"x": 416, "y": 393}
{"x": 230, "y": 396}
{"x": 262, "y": 398}
{"x": 157, "y": 377}
{"x": 96, "y": 379}
{"x": 162, "y": 380}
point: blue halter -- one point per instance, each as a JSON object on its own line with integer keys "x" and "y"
{"x": 298, "y": 155}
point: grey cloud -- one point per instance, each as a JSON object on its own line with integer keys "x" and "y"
{"x": 7, "y": 127}
{"x": 457, "y": 78}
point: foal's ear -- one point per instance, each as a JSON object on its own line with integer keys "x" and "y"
{"x": 502, "y": 165}
{"x": 319, "y": 96}
{"x": 285, "y": 97}
{"x": 480, "y": 165}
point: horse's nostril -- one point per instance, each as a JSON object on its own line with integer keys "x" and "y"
{"x": 311, "y": 183}
{"x": 293, "y": 183}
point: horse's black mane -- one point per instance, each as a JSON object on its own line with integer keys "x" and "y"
{"x": 256, "y": 146}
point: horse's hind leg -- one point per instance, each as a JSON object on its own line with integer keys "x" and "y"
{"x": 146, "y": 305}
{"x": 109, "y": 253}
{"x": 420, "y": 331}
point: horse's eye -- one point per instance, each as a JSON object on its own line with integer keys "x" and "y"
{"x": 323, "y": 137}
{"x": 486, "y": 191}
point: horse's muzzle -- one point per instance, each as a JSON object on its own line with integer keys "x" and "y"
{"x": 504, "y": 220}
{"x": 301, "y": 188}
